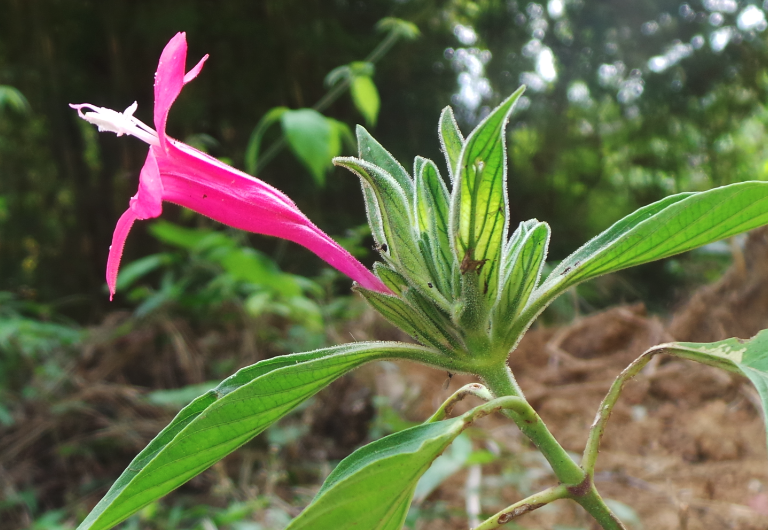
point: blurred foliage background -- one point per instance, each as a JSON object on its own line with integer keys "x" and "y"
{"x": 626, "y": 103}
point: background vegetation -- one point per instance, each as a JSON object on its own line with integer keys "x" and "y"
{"x": 626, "y": 103}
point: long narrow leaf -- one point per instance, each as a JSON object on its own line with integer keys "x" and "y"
{"x": 397, "y": 223}
{"x": 431, "y": 214}
{"x": 374, "y": 153}
{"x": 479, "y": 206}
{"x": 451, "y": 140}
{"x": 223, "y": 419}
{"x": 673, "y": 225}
{"x": 409, "y": 319}
{"x": 372, "y": 488}
{"x": 520, "y": 273}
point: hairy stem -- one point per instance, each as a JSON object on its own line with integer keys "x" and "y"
{"x": 524, "y": 506}
{"x": 502, "y": 383}
{"x": 573, "y": 478}
{"x": 474, "y": 389}
{"x": 589, "y": 458}
{"x": 591, "y": 501}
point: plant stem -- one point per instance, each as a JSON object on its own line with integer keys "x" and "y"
{"x": 474, "y": 389}
{"x": 502, "y": 383}
{"x": 332, "y": 95}
{"x": 595, "y": 505}
{"x": 589, "y": 458}
{"x": 526, "y": 505}
{"x": 573, "y": 478}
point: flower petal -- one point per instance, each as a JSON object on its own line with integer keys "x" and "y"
{"x": 203, "y": 184}
{"x": 170, "y": 78}
{"x": 148, "y": 201}
{"x": 189, "y": 76}
{"x": 116, "y": 249}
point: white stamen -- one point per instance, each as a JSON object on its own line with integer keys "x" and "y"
{"x": 119, "y": 123}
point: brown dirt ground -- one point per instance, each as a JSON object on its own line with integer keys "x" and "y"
{"x": 685, "y": 447}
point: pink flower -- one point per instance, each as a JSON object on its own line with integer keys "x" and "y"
{"x": 180, "y": 174}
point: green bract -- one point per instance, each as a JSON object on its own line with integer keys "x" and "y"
{"x": 463, "y": 286}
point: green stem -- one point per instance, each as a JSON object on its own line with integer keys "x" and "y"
{"x": 593, "y": 503}
{"x": 474, "y": 389}
{"x": 589, "y": 458}
{"x": 526, "y": 505}
{"x": 573, "y": 478}
{"x": 502, "y": 383}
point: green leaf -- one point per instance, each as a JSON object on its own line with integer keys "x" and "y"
{"x": 372, "y": 488}
{"x": 11, "y": 98}
{"x": 443, "y": 467}
{"x": 398, "y": 27}
{"x": 410, "y": 319}
{"x": 391, "y": 279}
{"x": 451, "y": 140}
{"x": 312, "y": 139}
{"x": 372, "y": 152}
{"x": 340, "y": 133}
{"x": 375, "y": 220}
{"x": 178, "y": 236}
{"x": 432, "y": 211}
{"x": 397, "y": 223}
{"x": 479, "y": 206}
{"x": 438, "y": 316}
{"x": 521, "y": 269}
{"x": 223, "y": 419}
{"x": 254, "y": 142}
{"x": 670, "y": 226}
{"x": 748, "y": 357}
{"x": 135, "y": 270}
{"x": 365, "y": 97}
